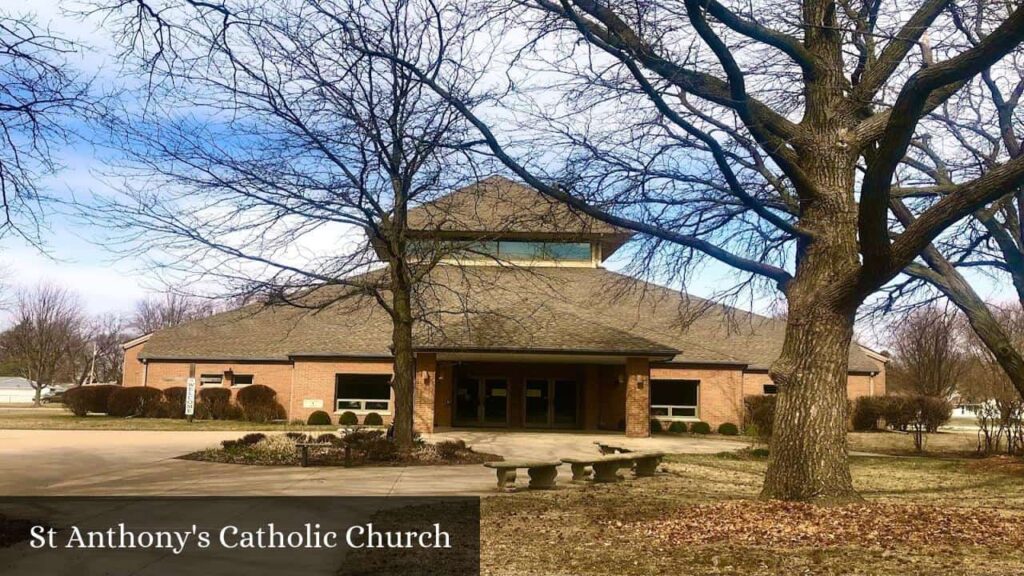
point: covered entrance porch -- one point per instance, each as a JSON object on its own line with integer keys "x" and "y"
{"x": 533, "y": 391}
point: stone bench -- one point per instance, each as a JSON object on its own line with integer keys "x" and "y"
{"x": 606, "y": 467}
{"x": 304, "y": 447}
{"x": 542, "y": 472}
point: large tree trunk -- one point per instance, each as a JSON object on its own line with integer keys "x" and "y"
{"x": 404, "y": 367}
{"x": 808, "y": 459}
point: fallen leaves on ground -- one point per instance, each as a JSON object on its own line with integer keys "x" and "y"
{"x": 869, "y": 525}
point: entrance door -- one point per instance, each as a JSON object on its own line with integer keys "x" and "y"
{"x": 551, "y": 403}
{"x": 495, "y": 409}
{"x": 537, "y": 398}
{"x": 467, "y": 402}
{"x": 564, "y": 402}
{"x": 481, "y": 402}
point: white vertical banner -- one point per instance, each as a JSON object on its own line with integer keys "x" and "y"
{"x": 190, "y": 397}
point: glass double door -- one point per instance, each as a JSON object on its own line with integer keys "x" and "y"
{"x": 551, "y": 403}
{"x": 481, "y": 402}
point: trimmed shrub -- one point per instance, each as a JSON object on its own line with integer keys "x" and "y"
{"x": 677, "y": 427}
{"x": 373, "y": 419}
{"x": 84, "y": 399}
{"x": 215, "y": 404}
{"x": 867, "y": 411}
{"x": 259, "y": 404}
{"x": 700, "y": 428}
{"x": 319, "y": 418}
{"x": 174, "y": 401}
{"x": 728, "y": 429}
{"x": 348, "y": 419}
{"x": 933, "y": 412}
{"x": 449, "y": 449}
{"x": 759, "y": 412}
{"x": 136, "y": 401}
{"x": 251, "y": 438}
{"x": 656, "y": 427}
{"x": 898, "y": 412}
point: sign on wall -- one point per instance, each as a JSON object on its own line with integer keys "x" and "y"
{"x": 190, "y": 397}
{"x": 312, "y": 403}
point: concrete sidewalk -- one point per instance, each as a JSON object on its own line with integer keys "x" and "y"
{"x": 75, "y": 462}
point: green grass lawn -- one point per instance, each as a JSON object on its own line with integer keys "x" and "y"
{"x": 57, "y": 418}
{"x": 919, "y": 516}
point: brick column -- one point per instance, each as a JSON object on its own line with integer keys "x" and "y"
{"x": 423, "y": 393}
{"x": 638, "y": 398}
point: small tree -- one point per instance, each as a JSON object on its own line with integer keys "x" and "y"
{"x": 305, "y": 134}
{"x": 929, "y": 357}
{"x": 48, "y": 330}
{"x": 167, "y": 310}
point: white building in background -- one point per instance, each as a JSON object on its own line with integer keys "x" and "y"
{"x": 18, "y": 390}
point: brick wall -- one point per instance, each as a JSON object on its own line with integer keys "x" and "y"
{"x": 424, "y": 389}
{"x": 131, "y": 370}
{"x": 314, "y": 380}
{"x": 277, "y": 375}
{"x": 638, "y": 398}
{"x": 720, "y": 395}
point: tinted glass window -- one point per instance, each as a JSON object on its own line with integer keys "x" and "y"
{"x": 363, "y": 386}
{"x": 674, "y": 392}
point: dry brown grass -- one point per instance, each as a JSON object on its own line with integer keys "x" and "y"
{"x": 901, "y": 443}
{"x": 929, "y": 516}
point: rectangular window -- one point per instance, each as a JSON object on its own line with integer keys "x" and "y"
{"x": 675, "y": 398}
{"x": 211, "y": 379}
{"x": 513, "y": 251}
{"x": 362, "y": 392}
{"x": 241, "y": 380}
{"x": 771, "y": 389}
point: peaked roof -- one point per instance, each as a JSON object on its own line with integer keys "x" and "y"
{"x": 497, "y": 205}
{"x": 499, "y": 309}
{"x": 15, "y": 383}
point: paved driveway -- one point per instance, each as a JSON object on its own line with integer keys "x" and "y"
{"x": 77, "y": 462}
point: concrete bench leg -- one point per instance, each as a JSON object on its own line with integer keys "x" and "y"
{"x": 580, "y": 472}
{"x": 505, "y": 477}
{"x": 606, "y": 471}
{"x": 543, "y": 478}
{"x": 646, "y": 466}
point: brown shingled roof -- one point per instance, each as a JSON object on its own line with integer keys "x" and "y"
{"x": 499, "y": 205}
{"x": 492, "y": 308}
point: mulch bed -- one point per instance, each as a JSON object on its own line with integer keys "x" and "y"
{"x": 13, "y": 530}
{"x": 869, "y": 525}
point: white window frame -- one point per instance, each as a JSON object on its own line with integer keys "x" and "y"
{"x": 362, "y": 402}
{"x": 671, "y": 408}
{"x": 204, "y": 384}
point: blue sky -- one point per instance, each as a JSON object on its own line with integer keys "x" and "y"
{"x": 107, "y": 283}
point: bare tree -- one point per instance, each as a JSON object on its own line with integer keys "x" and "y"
{"x": 986, "y": 125}
{"x": 929, "y": 357}
{"x": 39, "y": 94}
{"x": 167, "y": 310}
{"x": 109, "y": 332}
{"x": 769, "y": 138}
{"x": 47, "y": 332}
{"x": 987, "y": 385}
{"x": 302, "y": 136}
{"x": 766, "y": 137}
